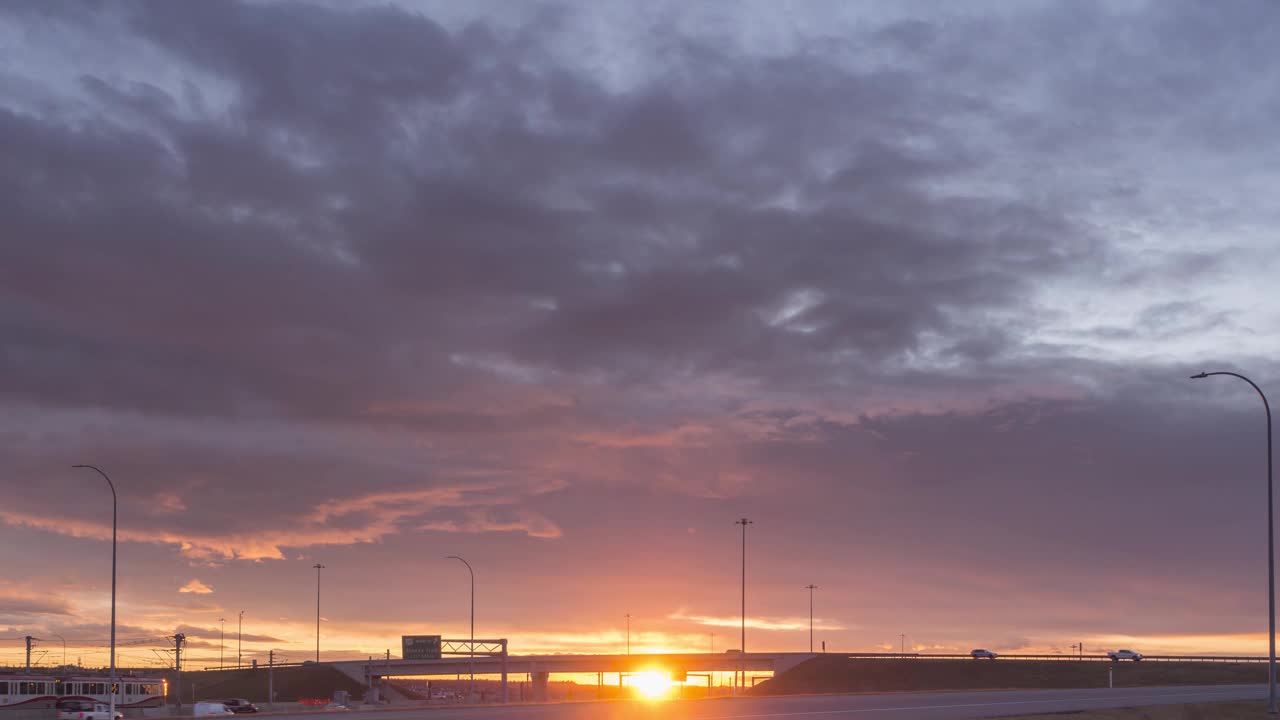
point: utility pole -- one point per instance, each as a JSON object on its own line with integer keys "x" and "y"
{"x": 178, "y": 639}
{"x": 318, "y": 568}
{"x": 628, "y": 633}
{"x": 222, "y": 643}
{"x": 902, "y": 648}
{"x": 742, "y": 649}
{"x": 239, "y": 639}
{"x": 29, "y": 639}
{"x": 811, "y": 587}
{"x": 271, "y": 678}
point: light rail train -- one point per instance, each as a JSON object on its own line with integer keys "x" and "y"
{"x": 44, "y": 691}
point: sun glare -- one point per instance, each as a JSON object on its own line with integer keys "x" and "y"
{"x": 651, "y": 684}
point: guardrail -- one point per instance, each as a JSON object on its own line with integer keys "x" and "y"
{"x": 1064, "y": 657}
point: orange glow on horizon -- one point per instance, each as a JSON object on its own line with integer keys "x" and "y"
{"x": 651, "y": 684}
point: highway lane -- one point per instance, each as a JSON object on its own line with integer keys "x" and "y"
{"x": 896, "y": 706}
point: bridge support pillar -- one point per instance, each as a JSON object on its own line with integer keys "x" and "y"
{"x": 506, "y": 696}
{"x": 540, "y": 685}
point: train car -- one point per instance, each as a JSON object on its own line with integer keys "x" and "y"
{"x": 131, "y": 692}
{"x": 29, "y": 692}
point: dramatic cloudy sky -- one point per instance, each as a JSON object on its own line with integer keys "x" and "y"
{"x": 567, "y": 288}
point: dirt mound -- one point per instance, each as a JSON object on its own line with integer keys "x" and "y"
{"x": 291, "y": 684}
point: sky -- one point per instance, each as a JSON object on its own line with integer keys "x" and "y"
{"x": 566, "y": 289}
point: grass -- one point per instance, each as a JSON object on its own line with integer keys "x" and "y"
{"x": 1243, "y": 710}
{"x": 837, "y": 674}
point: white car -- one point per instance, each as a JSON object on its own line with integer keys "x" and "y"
{"x": 85, "y": 710}
{"x": 981, "y": 654}
{"x": 211, "y": 709}
{"x": 1118, "y": 655}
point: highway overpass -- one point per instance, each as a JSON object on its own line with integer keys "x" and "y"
{"x": 539, "y": 667}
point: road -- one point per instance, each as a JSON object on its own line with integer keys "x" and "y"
{"x": 896, "y": 706}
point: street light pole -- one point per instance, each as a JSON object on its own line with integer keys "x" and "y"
{"x": 628, "y": 633}
{"x": 318, "y": 567}
{"x": 472, "y": 687}
{"x": 111, "y": 710}
{"x": 222, "y": 643}
{"x": 811, "y": 587}
{"x": 239, "y": 640}
{"x": 64, "y": 648}
{"x": 743, "y": 640}
{"x": 902, "y": 639}
{"x": 1271, "y": 545}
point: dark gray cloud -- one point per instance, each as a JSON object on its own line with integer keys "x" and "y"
{"x": 319, "y": 276}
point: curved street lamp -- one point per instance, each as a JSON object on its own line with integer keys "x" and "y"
{"x": 318, "y": 567}
{"x": 1271, "y": 543}
{"x": 64, "y": 648}
{"x": 472, "y": 644}
{"x": 810, "y": 587}
{"x": 742, "y": 648}
{"x": 112, "y": 704}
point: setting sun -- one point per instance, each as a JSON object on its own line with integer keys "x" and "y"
{"x": 651, "y": 684}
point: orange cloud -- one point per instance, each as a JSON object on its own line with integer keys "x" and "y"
{"x": 383, "y": 514}
{"x": 197, "y": 587}
{"x": 759, "y": 623}
{"x": 688, "y": 435}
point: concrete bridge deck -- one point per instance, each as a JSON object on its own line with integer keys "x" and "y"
{"x": 636, "y": 662}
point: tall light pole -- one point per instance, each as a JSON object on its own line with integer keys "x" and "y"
{"x": 628, "y": 633}
{"x": 743, "y": 646}
{"x": 811, "y": 587}
{"x": 318, "y": 568}
{"x": 222, "y": 643}
{"x": 472, "y": 687}
{"x": 64, "y": 648}
{"x": 114, "y": 505}
{"x": 1271, "y": 544}
{"x": 902, "y": 648}
{"x": 239, "y": 640}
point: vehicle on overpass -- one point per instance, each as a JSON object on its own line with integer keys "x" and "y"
{"x": 210, "y": 709}
{"x": 1118, "y": 655}
{"x": 980, "y": 654}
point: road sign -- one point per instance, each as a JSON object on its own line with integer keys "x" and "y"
{"x": 420, "y": 647}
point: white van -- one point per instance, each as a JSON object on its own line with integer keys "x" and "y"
{"x": 210, "y": 709}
